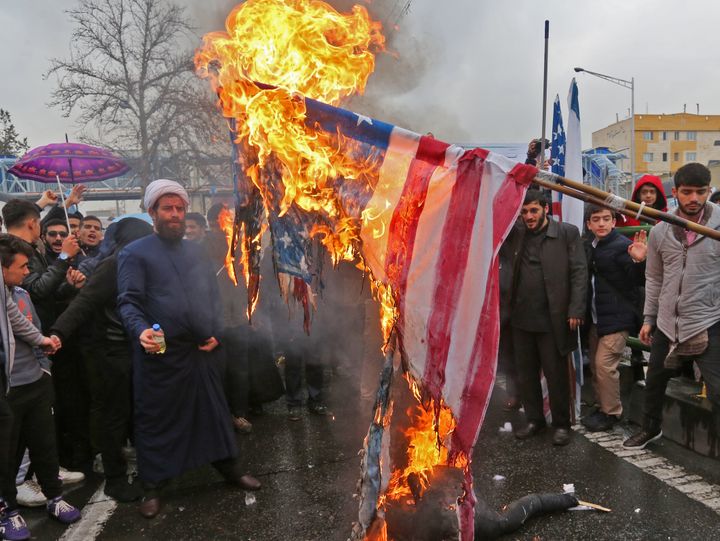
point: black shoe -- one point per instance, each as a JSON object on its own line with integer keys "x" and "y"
{"x": 294, "y": 413}
{"x": 561, "y": 436}
{"x": 641, "y": 439}
{"x": 600, "y": 421}
{"x": 119, "y": 489}
{"x": 318, "y": 409}
{"x": 531, "y": 429}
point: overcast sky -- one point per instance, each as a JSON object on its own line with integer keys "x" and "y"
{"x": 467, "y": 70}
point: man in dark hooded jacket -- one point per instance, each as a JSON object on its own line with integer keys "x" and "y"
{"x": 113, "y": 362}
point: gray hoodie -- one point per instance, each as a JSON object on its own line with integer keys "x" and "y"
{"x": 682, "y": 290}
{"x": 13, "y": 322}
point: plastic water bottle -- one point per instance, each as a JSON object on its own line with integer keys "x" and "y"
{"x": 159, "y": 340}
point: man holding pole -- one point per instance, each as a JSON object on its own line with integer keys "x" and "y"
{"x": 548, "y": 305}
{"x": 682, "y": 304}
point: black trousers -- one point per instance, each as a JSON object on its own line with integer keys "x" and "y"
{"x": 506, "y": 360}
{"x": 238, "y": 348}
{"x": 7, "y": 477}
{"x": 114, "y": 402}
{"x": 535, "y": 351}
{"x": 658, "y": 376}
{"x": 32, "y": 428}
{"x": 294, "y": 363}
{"x": 72, "y": 404}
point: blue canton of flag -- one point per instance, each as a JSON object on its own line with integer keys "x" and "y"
{"x": 557, "y": 149}
{"x": 557, "y": 153}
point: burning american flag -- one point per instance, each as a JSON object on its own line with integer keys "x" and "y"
{"x": 424, "y": 218}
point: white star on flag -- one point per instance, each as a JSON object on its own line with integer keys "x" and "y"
{"x": 363, "y": 118}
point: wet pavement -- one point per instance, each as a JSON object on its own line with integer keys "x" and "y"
{"x": 309, "y": 470}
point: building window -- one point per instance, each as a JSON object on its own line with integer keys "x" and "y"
{"x": 648, "y": 135}
{"x": 717, "y": 143}
{"x": 692, "y": 136}
{"x": 690, "y": 156}
{"x": 677, "y": 136}
{"x": 664, "y": 156}
{"x": 648, "y": 156}
{"x": 676, "y": 156}
{"x": 664, "y": 136}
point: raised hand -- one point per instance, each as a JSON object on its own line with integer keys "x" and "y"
{"x": 76, "y": 195}
{"x": 638, "y": 249}
{"x": 47, "y": 198}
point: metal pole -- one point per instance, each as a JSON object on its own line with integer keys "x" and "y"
{"x": 632, "y": 134}
{"x": 544, "y": 104}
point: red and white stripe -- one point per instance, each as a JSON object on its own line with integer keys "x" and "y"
{"x": 432, "y": 230}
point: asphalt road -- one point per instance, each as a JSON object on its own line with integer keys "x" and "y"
{"x": 309, "y": 471}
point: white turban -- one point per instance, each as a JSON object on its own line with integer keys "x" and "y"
{"x": 157, "y": 188}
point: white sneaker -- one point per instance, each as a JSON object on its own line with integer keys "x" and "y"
{"x": 30, "y": 495}
{"x": 70, "y": 477}
{"x": 97, "y": 464}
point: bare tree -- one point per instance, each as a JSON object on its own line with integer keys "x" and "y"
{"x": 11, "y": 144}
{"x": 130, "y": 76}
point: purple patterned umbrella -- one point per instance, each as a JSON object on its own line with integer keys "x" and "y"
{"x": 69, "y": 162}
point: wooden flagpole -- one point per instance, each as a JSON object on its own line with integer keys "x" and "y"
{"x": 617, "y": 203}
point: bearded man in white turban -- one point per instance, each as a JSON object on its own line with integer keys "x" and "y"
{"x": 182, "y": 420}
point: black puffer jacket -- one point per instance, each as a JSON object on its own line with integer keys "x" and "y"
{"x": 617, "y": 284}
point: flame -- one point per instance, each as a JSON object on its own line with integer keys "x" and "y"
{"x": 431, "y": 426}
{"x": 295, "y": 47}
{"x": 226, "y": 221}
{"x": 271, "y": 53}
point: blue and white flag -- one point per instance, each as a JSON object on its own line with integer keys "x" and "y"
{"x": 572, "y": 208}
{"x": 557, "y": 153}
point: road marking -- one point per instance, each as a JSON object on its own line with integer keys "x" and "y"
{"x": 95, "y": 514}
{"x": 671, "y": 474}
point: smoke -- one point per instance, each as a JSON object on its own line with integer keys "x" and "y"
{"x": 400, "y": 69}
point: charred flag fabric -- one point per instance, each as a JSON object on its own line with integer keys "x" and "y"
{"x": 431, "y": 229}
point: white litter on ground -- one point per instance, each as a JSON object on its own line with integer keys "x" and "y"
{"x": 499, "y": 478}
{"x": 250, "y": 498}
{"x": 507, "y": 427}
{"x": 569, "y": 488}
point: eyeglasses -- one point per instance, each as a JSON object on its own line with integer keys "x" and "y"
{"x": 53, "y": 234}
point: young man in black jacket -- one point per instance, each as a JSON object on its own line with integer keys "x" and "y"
{"x": 97, "y": 304}
{"x": 616, "y": 268}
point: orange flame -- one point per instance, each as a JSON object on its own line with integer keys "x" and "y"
{"x": 428, "y": 441}
{"x": 305, "y": 47}
{"x": 297, "y": 46}
{"x": 226, "y": 220}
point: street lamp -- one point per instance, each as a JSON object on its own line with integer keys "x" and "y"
{"x": 626, "y": 84}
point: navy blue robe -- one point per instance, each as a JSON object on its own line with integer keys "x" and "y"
{"x": 182, "y": 420}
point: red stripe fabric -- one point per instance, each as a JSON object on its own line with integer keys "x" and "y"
{"x": 431, "y": 150}
{"x": 481, "y": 372}
{"x": 403, "y": 229}
{"x": 450, "y": 271}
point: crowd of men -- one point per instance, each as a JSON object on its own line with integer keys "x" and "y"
{"x": 136, "y": 335}
{"x": 556, "y": 282}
